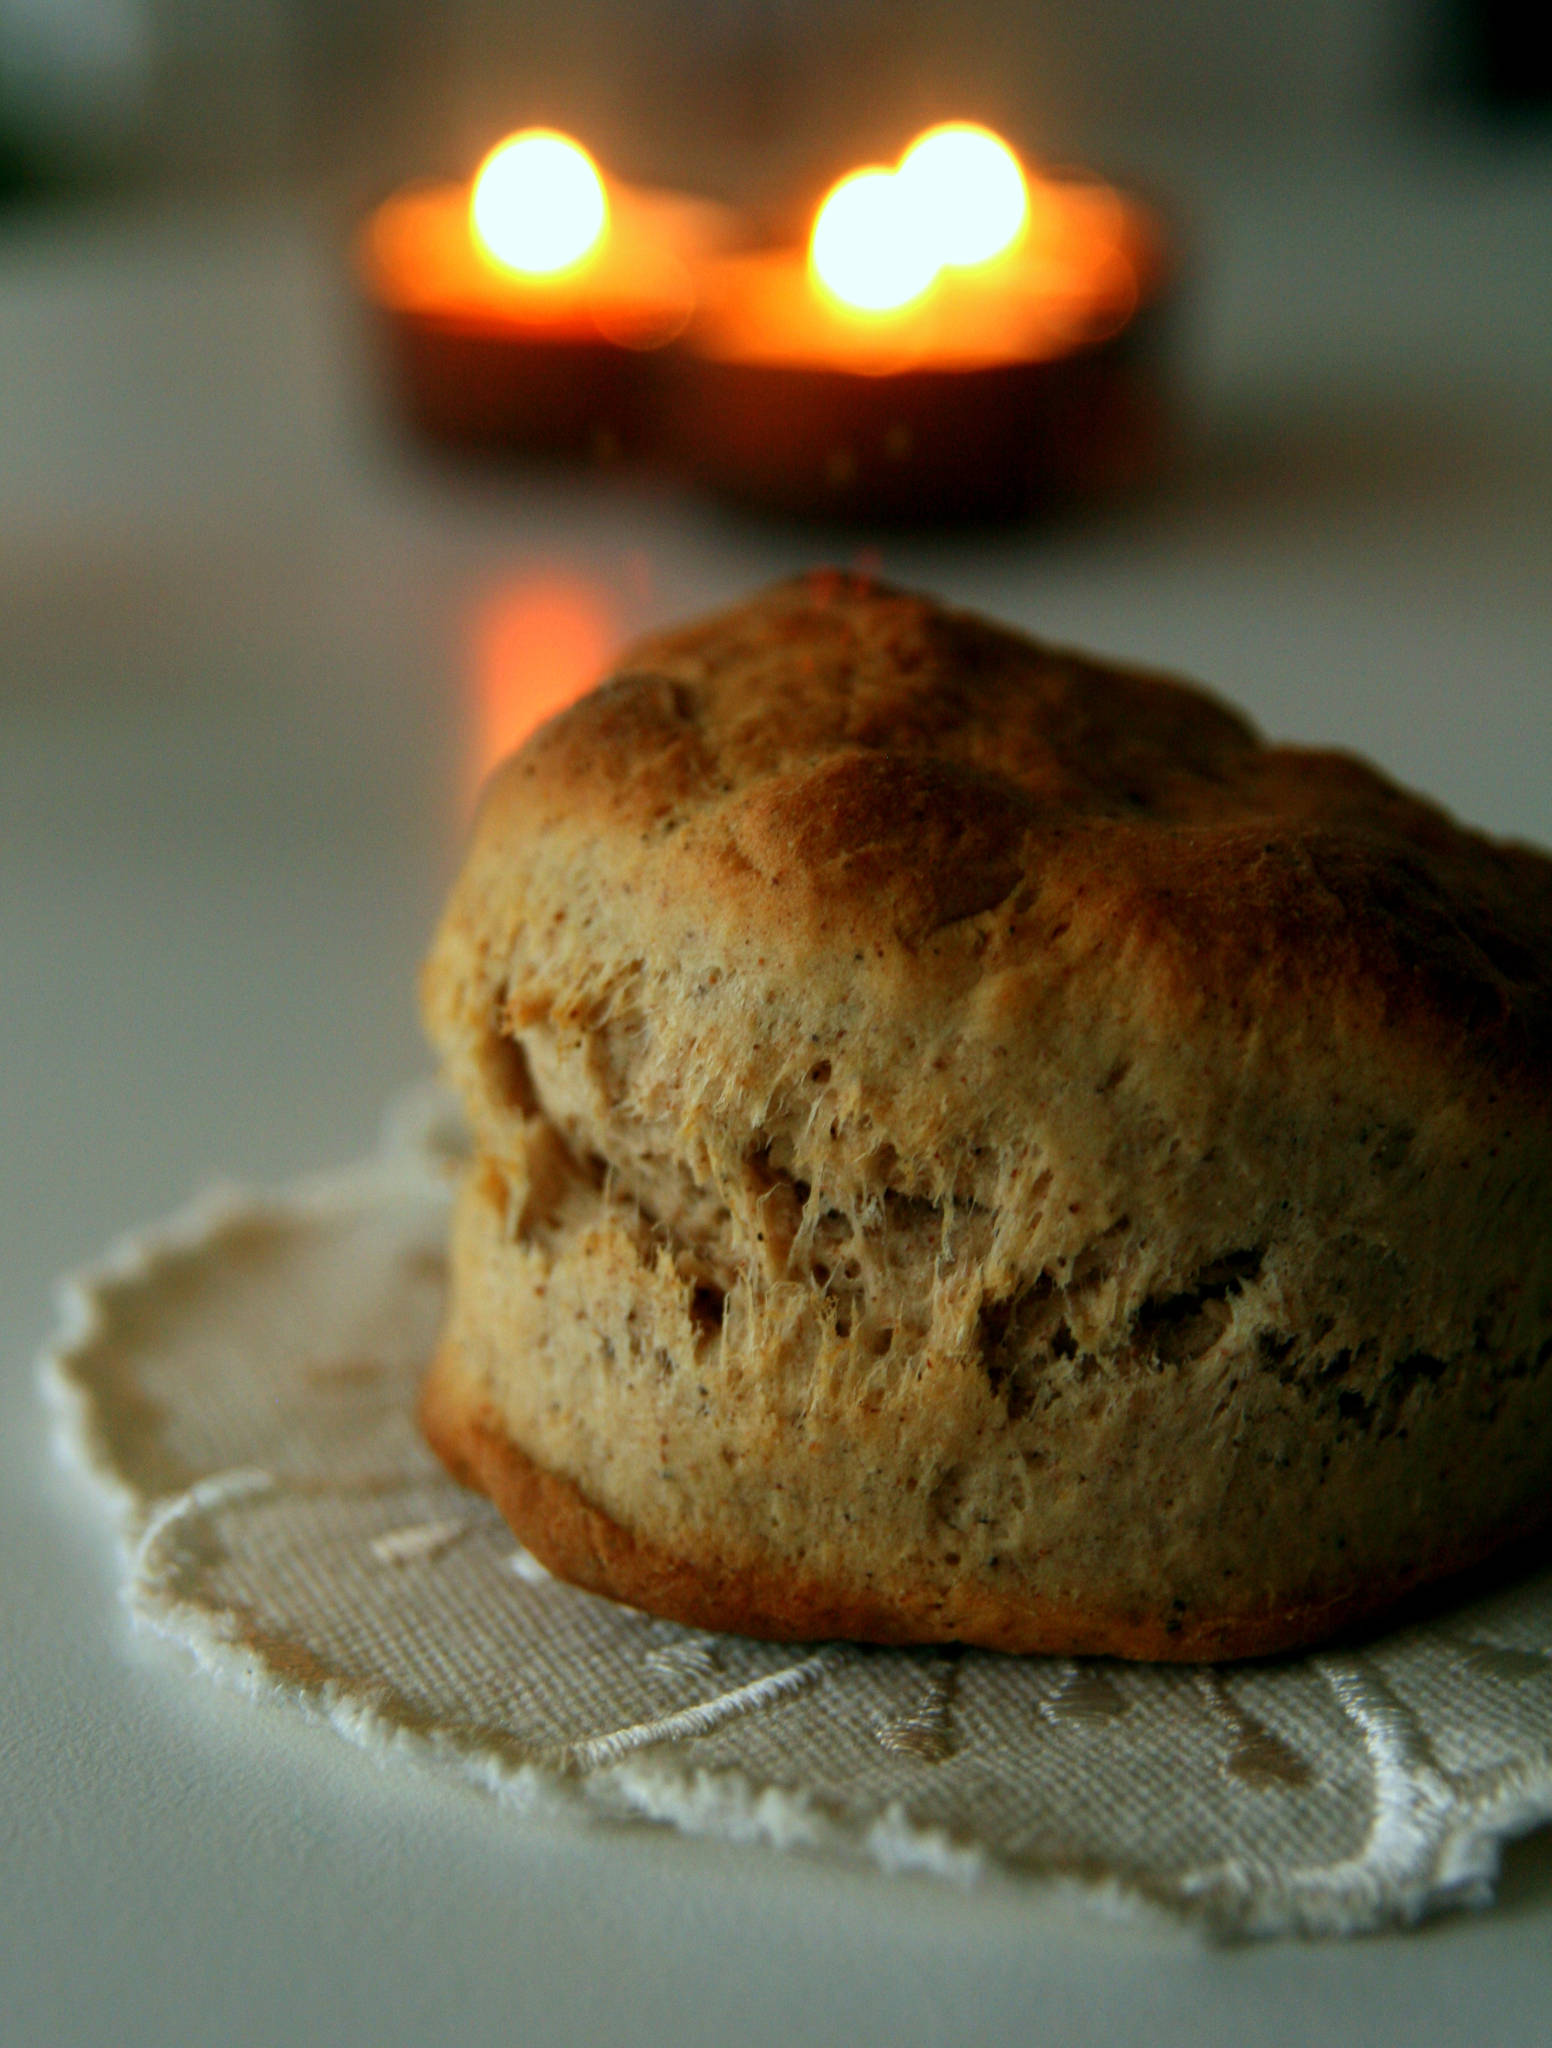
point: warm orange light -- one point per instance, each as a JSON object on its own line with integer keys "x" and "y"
{"x": 966, "y": 193}
{"x": 536, "y": 642}
{"x": 538, "y": 206}
{"x": 867, "y": 249}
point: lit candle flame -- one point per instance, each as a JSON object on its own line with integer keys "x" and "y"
{"x": 538, "y": 206}
{"x": 866, "y": 248}
{"x": 958, "y": 199}
{"x": 968, "y": 191}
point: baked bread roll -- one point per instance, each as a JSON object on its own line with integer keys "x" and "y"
{"x": 972, "y": 1145}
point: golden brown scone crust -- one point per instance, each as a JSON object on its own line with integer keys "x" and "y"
{"x": 973, "y": 1145}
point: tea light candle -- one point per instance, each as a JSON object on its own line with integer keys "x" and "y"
{"x": 958, "y": 341}
{"x": 526, "y": 309}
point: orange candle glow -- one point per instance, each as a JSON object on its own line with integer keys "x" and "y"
{"x": 953, "y": 257}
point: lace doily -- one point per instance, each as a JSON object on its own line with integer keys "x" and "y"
{"x": 243, "y": 1379}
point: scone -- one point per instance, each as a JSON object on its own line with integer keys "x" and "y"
{"x": 972, "y": 1145}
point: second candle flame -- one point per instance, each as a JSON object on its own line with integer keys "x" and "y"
{"x": 866, "y": 249}
{"x": 957, "y": 199}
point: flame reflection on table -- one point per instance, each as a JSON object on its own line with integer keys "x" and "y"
{"x": 536, "y": 641}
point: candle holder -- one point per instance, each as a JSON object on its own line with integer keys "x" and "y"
{"x": 1033, "y": 384}
{"x": 480, "y": 355}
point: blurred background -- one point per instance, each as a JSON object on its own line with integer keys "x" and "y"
{"x": 744, "y": 98}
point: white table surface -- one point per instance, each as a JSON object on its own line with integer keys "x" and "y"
{"x": 241, "y": 636}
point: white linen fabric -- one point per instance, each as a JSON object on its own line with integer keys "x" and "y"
{"x": 243, "y": 1380}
